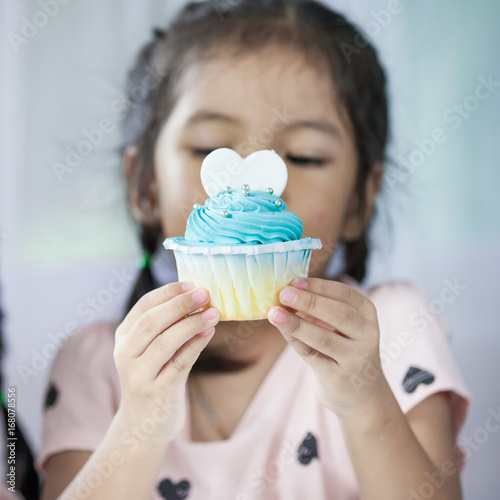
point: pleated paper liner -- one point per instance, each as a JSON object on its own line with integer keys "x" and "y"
{"x": 244, "y": 280}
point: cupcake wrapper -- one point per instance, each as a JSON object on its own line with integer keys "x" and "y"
{"x": 245, "y": 285}
{"x": 181, "y": 244}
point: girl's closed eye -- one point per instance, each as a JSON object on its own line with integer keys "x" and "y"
{"x": 301, "y": 161}
{"x": 306, "y": 161}
{"x": 202, "y": 152}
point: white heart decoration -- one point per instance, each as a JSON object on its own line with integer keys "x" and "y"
{"x": 260, "y": 170}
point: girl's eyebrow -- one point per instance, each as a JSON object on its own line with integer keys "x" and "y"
{"x": 321, "y": 125}
{"x": 203, "y": 115}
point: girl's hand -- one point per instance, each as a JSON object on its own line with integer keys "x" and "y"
{"x": 155, "y": 347}
{"x": 335, "y": 329}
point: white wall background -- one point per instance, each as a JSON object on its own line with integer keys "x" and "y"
{"x": 61, "y": 241}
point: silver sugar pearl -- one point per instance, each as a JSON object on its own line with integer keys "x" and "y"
{"x": 224, "y": 213}
{"x": 197, "y": 206}
{"x": 245, "y": 189}
{"x": 269, "y": 190}
{"x": 278, "y": 203}
{"x": 228, "y": 189}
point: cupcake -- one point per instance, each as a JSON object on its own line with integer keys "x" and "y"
{"x": 243, "y": 245}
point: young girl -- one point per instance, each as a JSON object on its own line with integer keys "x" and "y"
{"x": 345, "y": 392}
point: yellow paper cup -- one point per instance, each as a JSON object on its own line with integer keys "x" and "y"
{"x": 244, "y": 280}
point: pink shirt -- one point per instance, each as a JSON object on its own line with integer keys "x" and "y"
{"x": 287, "y": 444}
{"x": 6, "y": 494}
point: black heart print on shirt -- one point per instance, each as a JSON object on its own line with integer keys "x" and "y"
{"x": 51, "y": 396}
{"x": 172, "y": 491}
{"x": 414, "y": 377}
{"x": 308, "y": 449}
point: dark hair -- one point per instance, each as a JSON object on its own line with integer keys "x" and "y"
{"x": 27, "y": 478}
{"x": 200, "y": 29}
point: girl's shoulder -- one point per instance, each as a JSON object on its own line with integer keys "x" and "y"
{"x": 387, "y": 292}
{"x": 84, "y": 364}
{"x": 93, "y": 341}
{"x": 416, "y": 342}
{"x": 387, "y": 288}
{"x": 82, "y": 392}
{"x": 405, "y": 305}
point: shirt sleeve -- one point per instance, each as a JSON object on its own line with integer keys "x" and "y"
{"x": 81, "y": 395}
{"x": 5, "y": 494}
{"x": 415, "y": 349}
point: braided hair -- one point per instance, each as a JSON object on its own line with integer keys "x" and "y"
{"x": 27, "y": 479}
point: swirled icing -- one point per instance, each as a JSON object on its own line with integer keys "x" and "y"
{"x": 250, "y": 219}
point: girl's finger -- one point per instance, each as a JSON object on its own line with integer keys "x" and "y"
{"x": 161, "y": 317}
{"x": 161, "y": 350}
{"x": 337, "y": 291}
{"x": 314, "y": 339}
{"x": 150, "y": 300}
{"x": 184, "y": 359}
{"x": 339, "y": 315}
{"x": 314, "y": 320}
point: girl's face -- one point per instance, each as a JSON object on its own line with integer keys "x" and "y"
{"x": 270, "y": 100}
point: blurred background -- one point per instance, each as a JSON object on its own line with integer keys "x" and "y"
{"x": 65, "y": 233}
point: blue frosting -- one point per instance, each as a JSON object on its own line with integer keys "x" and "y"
{"x": 251, "y": 219}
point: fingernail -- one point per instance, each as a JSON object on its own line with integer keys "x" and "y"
{"x": 188, "y": 285}
{"x": 288, "y": 295}
{"x": 200, "y": 296}
{"x": 300, "y": 283}
{"x": 207, "y": 332}
{"x": 279, "y": 316}
{"x": 209, "y": 313}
